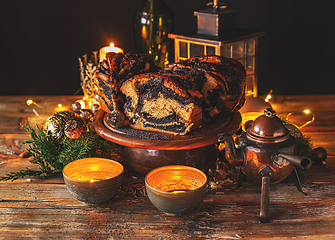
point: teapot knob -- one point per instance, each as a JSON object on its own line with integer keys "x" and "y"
{"x": 269, "y": 112}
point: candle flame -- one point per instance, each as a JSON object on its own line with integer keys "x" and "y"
{"x": 178, "y": 191}
{"x": 112, "y": 48}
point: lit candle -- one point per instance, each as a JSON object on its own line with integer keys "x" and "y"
{"x": 93, "y": 169}
{"x": 87, "y": 103}
{"x": 175, "y": 189}
{"x": 93, "y": 180}
{"x": 111, "y": 48}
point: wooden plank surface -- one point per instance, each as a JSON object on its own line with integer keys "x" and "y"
{"x": 42, "y": 209}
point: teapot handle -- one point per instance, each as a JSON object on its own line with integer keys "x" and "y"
{"x": 233, "y": 155}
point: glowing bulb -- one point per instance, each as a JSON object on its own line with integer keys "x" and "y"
{"x": 306, "y": 111}
{"x": 29, "y": 102}
{"x": 268, "y": 97}
{"x": 60, "y": 105}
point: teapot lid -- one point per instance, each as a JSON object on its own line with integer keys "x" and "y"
{"x": 268, "y": 128}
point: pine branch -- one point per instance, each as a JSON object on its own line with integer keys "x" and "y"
{"x": 74, "y": 149}
{"x": 21, "y": 174}
{"x": 304, "y": 146}
{"x": 52, "y": 156}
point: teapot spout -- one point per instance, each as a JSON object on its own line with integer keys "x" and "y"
{"x": 302, "y": 162}
{"x": 233, "y": 155}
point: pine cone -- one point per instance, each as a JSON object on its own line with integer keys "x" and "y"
{"x": 73, "y": 129}
{"x": 115, "y": 118}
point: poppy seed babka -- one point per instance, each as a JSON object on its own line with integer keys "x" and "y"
{"x": 161, "y": 103}
{"x": 175, "y": 99}
{"x": 224, "y": 84}
{"x": 113, "y": 70}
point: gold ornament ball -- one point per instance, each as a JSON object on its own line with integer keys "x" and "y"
{"x": 319, "y": 155}
{"x": 55, "y": 124}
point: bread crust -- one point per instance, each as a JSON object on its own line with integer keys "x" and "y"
{"x": 199, "y": 89}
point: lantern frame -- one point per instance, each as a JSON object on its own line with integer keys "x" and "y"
{"x": 240, "y": 44}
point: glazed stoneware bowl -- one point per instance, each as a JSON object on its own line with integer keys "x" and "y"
{"x": 93, "y": 180}
{"x": 176, "y": 189}
{"x": 143, "y": 151}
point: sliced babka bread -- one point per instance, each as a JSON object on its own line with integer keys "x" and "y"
{"x": 224, "y": 86}
{"x": 172, "y": 100}
{"x": 113, "y": 71}
{"x": 161, "y": 103}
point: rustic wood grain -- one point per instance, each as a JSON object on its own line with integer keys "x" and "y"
{"x": 37, "y": 208}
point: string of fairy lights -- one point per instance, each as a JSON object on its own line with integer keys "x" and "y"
{"x": 87, "y": 104}
{"x": 84, "y": 103}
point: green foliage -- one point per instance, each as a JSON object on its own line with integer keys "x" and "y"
{"x": 304, "y": 143}
{"x": 304, "y": 148}
{"x": 52, "y": 156}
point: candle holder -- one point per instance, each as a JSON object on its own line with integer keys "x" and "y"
{"x": 111, "y": 48}
{"x": 87, "y": 69}
{"x": 93, "y": 180}
{"x": 176, "y": 189}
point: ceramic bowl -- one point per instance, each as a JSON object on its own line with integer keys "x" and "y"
{"x": 143, "y": 161}
{"x": 176, "y": 189}
{"x": 93, "y": 180}
{"x": 143, "y": 151}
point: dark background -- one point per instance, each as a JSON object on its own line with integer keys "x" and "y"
{"x": 40, "y": 41}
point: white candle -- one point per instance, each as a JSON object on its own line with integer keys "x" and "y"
{"x": 111, "y": 48}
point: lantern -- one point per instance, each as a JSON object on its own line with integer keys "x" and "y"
{"x": 216, "y": 34}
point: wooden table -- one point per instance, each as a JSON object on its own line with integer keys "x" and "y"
{"x": 40, "y": 209}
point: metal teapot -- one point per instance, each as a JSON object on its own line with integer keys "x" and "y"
{"x": 265, "y": 151}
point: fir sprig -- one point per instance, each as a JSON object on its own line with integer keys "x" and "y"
{"x": 304, "y": 148}
{"x": 304, "y": 142}
{"x": 52, "y": 156}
